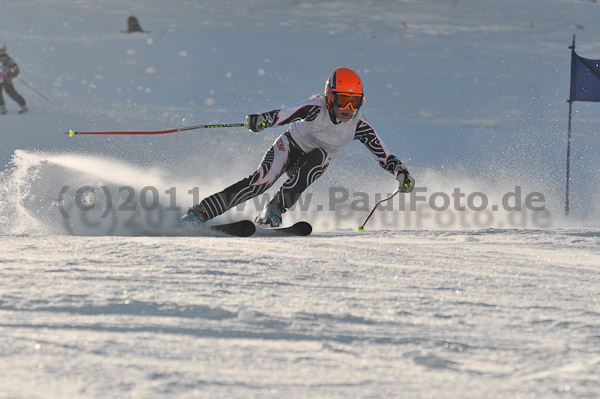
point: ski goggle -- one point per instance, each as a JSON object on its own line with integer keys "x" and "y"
{"x": 344, "y": 100}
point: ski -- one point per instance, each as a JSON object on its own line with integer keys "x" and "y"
{"x": 297, "y": 229}
{"x": 242, "y": 228}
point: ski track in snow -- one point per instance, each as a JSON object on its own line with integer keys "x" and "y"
{"x": 470, "y": 314}
{"x": 469, "y": 93}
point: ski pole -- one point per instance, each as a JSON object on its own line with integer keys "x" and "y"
{"x": 72, "y": 132}
{"x": 34, "y": 90}
{"x": 362, "y": 227}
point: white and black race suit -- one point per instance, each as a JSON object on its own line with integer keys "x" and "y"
{"x": 303, "y": 152}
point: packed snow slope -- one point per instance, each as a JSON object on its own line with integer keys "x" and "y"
{"x": 473, "y": 286}
{"x": 385, "y": 314}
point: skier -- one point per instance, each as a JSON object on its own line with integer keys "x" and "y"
{"x": 320, "y": 129}
{"x": 9, "y": 70}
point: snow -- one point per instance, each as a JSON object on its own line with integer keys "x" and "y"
{"x": 439, "y": 297}
{"x": 476, "y": 314}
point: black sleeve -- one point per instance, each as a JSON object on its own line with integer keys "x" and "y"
{"x": 306, "y": 110}
{"x": 366, "y": 135}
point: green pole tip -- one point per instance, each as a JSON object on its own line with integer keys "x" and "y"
{"x": 71, "y": 133}
{"x": 361, "y": 228}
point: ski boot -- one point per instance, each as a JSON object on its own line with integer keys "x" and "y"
{"x": 271, "y": 215}
{"x": 3, "y": 110}
{"x": 197, "y": 213}
{"x": 23, "y": 110}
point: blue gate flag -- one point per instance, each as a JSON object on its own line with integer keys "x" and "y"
{"x": 585, "y": 79}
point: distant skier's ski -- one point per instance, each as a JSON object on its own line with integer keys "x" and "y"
{"x": 242, "y": 228}
{"x": 298, "y": 229}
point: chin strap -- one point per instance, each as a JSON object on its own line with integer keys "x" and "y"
{"x": 334, "y": 118}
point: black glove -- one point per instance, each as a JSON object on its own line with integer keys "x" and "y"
{"x": 14, "y": 71}
{"x": 405, "y": 180}
{"x": 255, "y": 122}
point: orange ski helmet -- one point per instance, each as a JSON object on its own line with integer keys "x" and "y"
{"x": 344, "y": 89}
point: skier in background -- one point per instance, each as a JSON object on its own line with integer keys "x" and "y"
{"x": 320, "y": 129}
{"x": 9, "y": 70}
